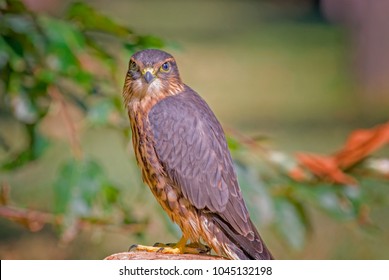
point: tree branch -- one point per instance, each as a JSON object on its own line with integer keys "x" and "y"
{"x": 142, "y": 255}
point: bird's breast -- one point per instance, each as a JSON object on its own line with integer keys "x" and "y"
{"x": 142, "y": 139}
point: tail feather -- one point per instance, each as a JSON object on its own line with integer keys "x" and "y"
{"x": 234, "y": 244}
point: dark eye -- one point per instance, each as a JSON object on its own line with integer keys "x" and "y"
{"x": 133, "y": 66}
{"x": 165, "y": 67}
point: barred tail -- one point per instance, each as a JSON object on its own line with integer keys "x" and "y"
{"x": 224, "y": 239}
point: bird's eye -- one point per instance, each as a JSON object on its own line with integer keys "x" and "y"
{"x": 165, "y": 67}
{"x": 133, "y": 66}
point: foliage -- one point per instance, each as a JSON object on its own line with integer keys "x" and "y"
{"x": 72, "y": 62}
{"x": 341, "y": 185}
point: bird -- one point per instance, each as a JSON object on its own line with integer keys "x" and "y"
{"x": 182, "y": 152}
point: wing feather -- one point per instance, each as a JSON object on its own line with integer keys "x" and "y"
{"x": 190, "y": 143}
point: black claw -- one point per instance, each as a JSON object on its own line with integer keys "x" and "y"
{"x": 204, "y": 250}
{"x": 160, "y": 250}
{"x": 132, "y": 247}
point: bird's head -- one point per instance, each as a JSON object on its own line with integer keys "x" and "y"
{"x": 152, "y": 73}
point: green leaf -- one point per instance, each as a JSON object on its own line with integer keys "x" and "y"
{"x": 337, "y": 201}
{"x": 89, "y": 18}
{"x": 37, "y": 144}
{"x": 150, "y": 41}
{"x": 46, "y": 76}
{"x": 111, "y": 194}
{"x": 13, "y": 6}
{"x": 144, "y": 42}
{"x": 4, "y": 56}
{"x": 256, "y": 194}
{"x": 19, "y": 23}
{"x": 14, "y": 53}
{"x": 17, "y": 161}
{"x": 99, "y": 113}
{"x": 16, "y": 46}
{"x": 76, "y": 185}
{"x": 233, "y": 144}
{"x": 61, "y": 33}
{"x": 289, "y": 223}
{"x": 82, "y": 78}
{"x": 82, "y": 187}
{"x": 24, "y": 37}
{"x": 65, "y": 42}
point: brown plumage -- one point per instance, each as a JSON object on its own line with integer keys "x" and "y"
{"x": 181, "y": 149}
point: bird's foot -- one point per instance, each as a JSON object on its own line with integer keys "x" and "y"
{"x": 201, "y": 248}
{"x": 191, "y": 248}
{"x": 173, "y": 248}
{"x": 157, "y": 248}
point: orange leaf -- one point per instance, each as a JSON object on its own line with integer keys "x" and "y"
{"x": 362, "y": 143}
{"x": 324, "y": 167}
{"x": 297, "y": 174}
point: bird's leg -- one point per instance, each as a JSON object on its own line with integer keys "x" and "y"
{"x": 174, "y": 248}
{"x": 170, "y": 248}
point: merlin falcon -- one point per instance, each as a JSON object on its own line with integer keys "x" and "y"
{"x": 182, "y": 152}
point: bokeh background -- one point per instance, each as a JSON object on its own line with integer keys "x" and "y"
{"x": 297, "y": 75}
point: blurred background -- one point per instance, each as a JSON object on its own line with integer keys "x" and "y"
{"x": 281, "y": 76}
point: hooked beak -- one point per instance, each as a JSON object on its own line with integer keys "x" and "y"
{"x": 148, "y": 75}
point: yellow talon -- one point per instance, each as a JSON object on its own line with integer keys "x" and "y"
{"x": 178, "y": 248}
